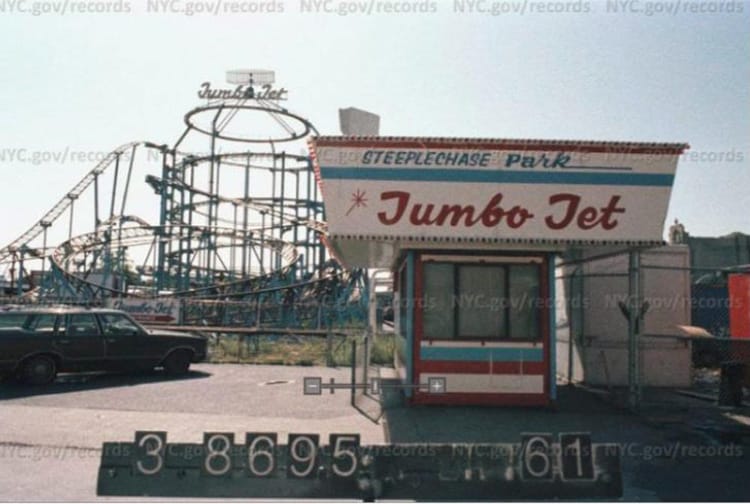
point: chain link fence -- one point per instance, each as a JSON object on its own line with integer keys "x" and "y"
{"x": 683, "y": 335}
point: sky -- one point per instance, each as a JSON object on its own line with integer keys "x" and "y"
{"x": 662, "y": 71}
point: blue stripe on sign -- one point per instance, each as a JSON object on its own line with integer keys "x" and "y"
{"x": 481, "y": 354}
{"x": 495, "y": 176}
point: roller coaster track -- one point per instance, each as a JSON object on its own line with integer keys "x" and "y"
{"x": 61, "y": 206}
{"x": 270, "y": 254}
{"x": 157, "y": 182}
{"x": 63, "y": 257}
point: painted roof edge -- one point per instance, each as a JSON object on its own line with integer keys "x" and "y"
{"x": 502, "y": 143}
{"x": 540, "y": 241}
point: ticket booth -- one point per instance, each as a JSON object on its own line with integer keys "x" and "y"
{"x": 481, "y": 321}
{"x": 471, "y": 230}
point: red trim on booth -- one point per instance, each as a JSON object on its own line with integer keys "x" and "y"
{"x": 543, "y": 314}
{"x": 482, "y": 367}
{"x": 418, "y": 325}
{"x": 481, "y": 399}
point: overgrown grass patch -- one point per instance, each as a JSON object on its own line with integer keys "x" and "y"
{"x": 296, "y": 350}
{"x": 382, "y": 350}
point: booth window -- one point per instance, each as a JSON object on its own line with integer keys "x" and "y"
{"x": 481, "y": 301}
{"x": 439, "y": 287}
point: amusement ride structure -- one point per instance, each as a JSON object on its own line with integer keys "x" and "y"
{"x": 240, "y": 231}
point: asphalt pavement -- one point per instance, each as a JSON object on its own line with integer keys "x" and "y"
{"x": 51, "y": 436}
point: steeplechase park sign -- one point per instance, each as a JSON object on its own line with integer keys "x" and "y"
{"x": 392, "y": 190}
{"x": 242, "y": 92}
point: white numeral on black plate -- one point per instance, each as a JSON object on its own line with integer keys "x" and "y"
{"x": 303, "y": 455}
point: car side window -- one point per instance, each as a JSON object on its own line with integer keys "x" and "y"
{"x": 15, "y": 320}
{"x": 43, "y": 323}
{"x": 118, "y": 325}
{"x": 81, "y": 324}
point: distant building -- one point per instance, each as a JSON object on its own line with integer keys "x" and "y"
{"x": 721, "y": 252}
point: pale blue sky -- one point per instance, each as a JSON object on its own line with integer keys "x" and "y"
{"x": 91, "y": 82}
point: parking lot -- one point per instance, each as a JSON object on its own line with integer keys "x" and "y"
{"x": 51, "y": 436}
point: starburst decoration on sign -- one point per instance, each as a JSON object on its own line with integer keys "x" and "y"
{"x": 358, "y": 200}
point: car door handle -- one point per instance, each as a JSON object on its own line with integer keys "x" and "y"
{"x": 111, "y": 340}
{"x": 63, "y": 341}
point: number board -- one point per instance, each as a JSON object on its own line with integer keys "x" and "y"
{"x": 540, "y": 466}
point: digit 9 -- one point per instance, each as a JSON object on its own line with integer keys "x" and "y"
{"x": 302, "y": 455}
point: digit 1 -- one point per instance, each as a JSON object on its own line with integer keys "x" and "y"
{"x": 576, "y": 456}
{"x": 577, "y": 446}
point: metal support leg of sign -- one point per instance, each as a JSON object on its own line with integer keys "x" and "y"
{"x": 635, "y": 314}
{"x": 633, "y": 311}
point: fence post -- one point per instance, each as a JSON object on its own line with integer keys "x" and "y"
{"x": 329, "y": 348}
{"x": 635, "y": 315}
{"x": 366, "y": 364}
{"x": 575, "y": 327}
{"x": 354, "y": 371}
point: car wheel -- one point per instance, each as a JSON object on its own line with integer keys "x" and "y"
{"x": 177, "y": 363}
{"x": 39, "y": 370}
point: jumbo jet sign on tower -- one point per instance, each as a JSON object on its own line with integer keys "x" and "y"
{"x": 495, "y": 189}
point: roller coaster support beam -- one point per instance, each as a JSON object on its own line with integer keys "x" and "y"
{"x": 159, "y": 274}
{"x": 246, "y": 259}
{"x": 20, "y": 273}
